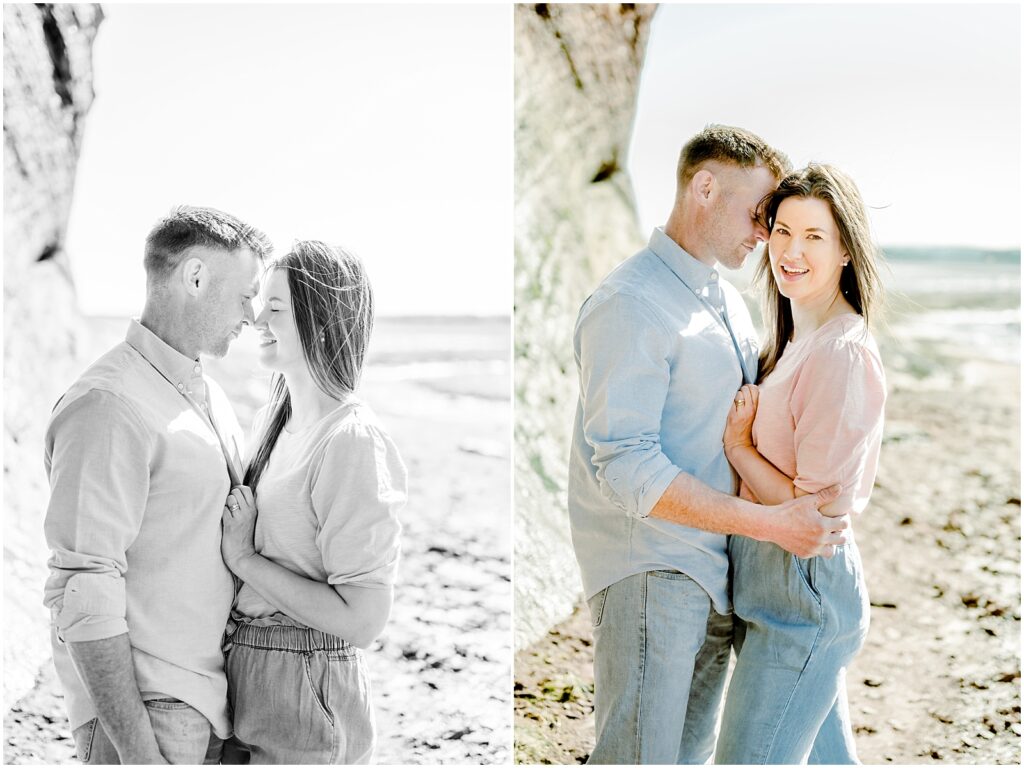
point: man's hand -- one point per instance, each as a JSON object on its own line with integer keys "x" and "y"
{"x": 798, "y": 527}
{"x": 238, "y": 524}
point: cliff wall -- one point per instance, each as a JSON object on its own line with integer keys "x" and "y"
{"x": 577, "y": 72}
{"x": 47, "y": 93}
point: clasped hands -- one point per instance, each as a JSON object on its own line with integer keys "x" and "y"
{"x": 800, "y": 526}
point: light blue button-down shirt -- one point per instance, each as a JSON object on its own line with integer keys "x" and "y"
{"x": 658, "y": 371}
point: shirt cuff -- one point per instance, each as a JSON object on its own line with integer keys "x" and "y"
{"x": 654, "y": 489}
{"x": 94, "y": 608}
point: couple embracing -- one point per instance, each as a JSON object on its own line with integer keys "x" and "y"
{"x": 205, "y": 609}
{"x": 712, "y": 487}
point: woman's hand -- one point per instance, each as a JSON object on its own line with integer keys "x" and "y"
{"x": 238, "y": 525}
{"x": 741, "y": 419}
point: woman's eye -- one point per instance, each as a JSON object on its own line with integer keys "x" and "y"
{"x": 781, "y": 231}
{"x": 814, "y": 237}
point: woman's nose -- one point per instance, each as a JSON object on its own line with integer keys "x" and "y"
{"x": 260, "y": 320}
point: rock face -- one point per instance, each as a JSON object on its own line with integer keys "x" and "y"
{"x": 47, "y": 92}
{"x": 577, "y": 72}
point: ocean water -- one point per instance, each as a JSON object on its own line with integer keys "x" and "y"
{"x": 968, "y": 305}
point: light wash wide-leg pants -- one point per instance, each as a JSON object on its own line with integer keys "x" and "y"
{"x": 799, "y": 623}
{"x": 660, "y": 660}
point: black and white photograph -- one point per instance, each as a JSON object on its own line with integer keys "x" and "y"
{"x": 257, "y": 414}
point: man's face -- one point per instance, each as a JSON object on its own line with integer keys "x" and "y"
{"x": 732, "y": 227}
{"x": 226, "y": 306}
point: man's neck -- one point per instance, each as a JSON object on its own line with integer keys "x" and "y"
{"x": 161, "y": 323}
{"x": 682, "y": 234}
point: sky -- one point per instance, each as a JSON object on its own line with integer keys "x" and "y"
{"x": 920, "y": 104}
{"x": 384, "y": 129}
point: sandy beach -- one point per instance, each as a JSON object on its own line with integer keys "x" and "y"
{"x": 441, "y": 671}
{"x": 939, "y": 678}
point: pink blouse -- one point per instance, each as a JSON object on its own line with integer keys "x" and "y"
{"x": 820, "y": 412}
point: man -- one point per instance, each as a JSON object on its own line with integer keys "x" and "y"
{"x": 141, "y": 453}
{"x": 661, "y": 347}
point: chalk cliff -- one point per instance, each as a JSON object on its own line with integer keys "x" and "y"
{"x": 577, "y": 72}
{"x": 47, "y": 93}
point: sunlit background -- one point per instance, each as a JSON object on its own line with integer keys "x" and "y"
{"x": 384, "y": 129}
{"x": 919, "y": 104}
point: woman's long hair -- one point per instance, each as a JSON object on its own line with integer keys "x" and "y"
{"x": 858, "y": 281}
{"x": 332, "y": 304}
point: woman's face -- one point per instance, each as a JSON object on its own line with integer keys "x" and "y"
{"x": 280, "y": 346}
{"x": 806, "y": 251}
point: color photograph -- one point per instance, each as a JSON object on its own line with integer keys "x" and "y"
{"x": 767, "y": 385}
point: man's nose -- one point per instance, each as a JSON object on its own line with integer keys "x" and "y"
{"x": 248, "y": 316}
{"x": 761, "y": 232}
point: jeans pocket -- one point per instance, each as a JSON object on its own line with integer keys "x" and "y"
{"x": 320, "y": 691}
{"x": 805, "y": 569}
{"x": 83, "y": 736}
{"x": 670, "y": 575}
{"x": 166, "y": 703}
{"x": 596, "y": 606}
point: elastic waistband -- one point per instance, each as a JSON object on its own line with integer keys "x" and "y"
{"x": 281, "y": 637}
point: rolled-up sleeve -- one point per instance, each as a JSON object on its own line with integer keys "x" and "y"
{"x": 623, "y": 356}
{"x": 837, "y": 405}
{"x": 97, "y": 458}
{"x": 357, "y": 492}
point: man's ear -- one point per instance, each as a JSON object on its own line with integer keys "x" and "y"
{"x": 194, "y": 274}
{"x": 703, "y": 186}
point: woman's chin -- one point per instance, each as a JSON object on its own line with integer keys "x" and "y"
{"x": 267, "y": 357}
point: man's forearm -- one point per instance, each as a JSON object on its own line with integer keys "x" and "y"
{"x": 106, "y": 669}
{"x": 687, "y": 501}
{"x": 796, "y": 525}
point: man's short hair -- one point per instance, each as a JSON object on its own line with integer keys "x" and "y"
{"x": 727, "y": 144}
{"x": 188, "y": 226}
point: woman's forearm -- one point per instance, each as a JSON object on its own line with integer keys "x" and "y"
{"x": 762, "y": 477}
{"x": 356, "y": 614}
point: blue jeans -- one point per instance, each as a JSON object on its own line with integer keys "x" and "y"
{"x": 184, "y": 736}
{"x": 660, "y": 659}
{"x": 299, "y": 697}
{"x": 799, "y": 623}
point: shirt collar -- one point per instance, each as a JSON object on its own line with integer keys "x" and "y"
{"x": 184, "y": 373}
{"x": 696, "y": 274}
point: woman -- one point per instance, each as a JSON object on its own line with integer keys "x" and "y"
{"x": 815, "y": 420}
{"x": 318, "y": 562}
